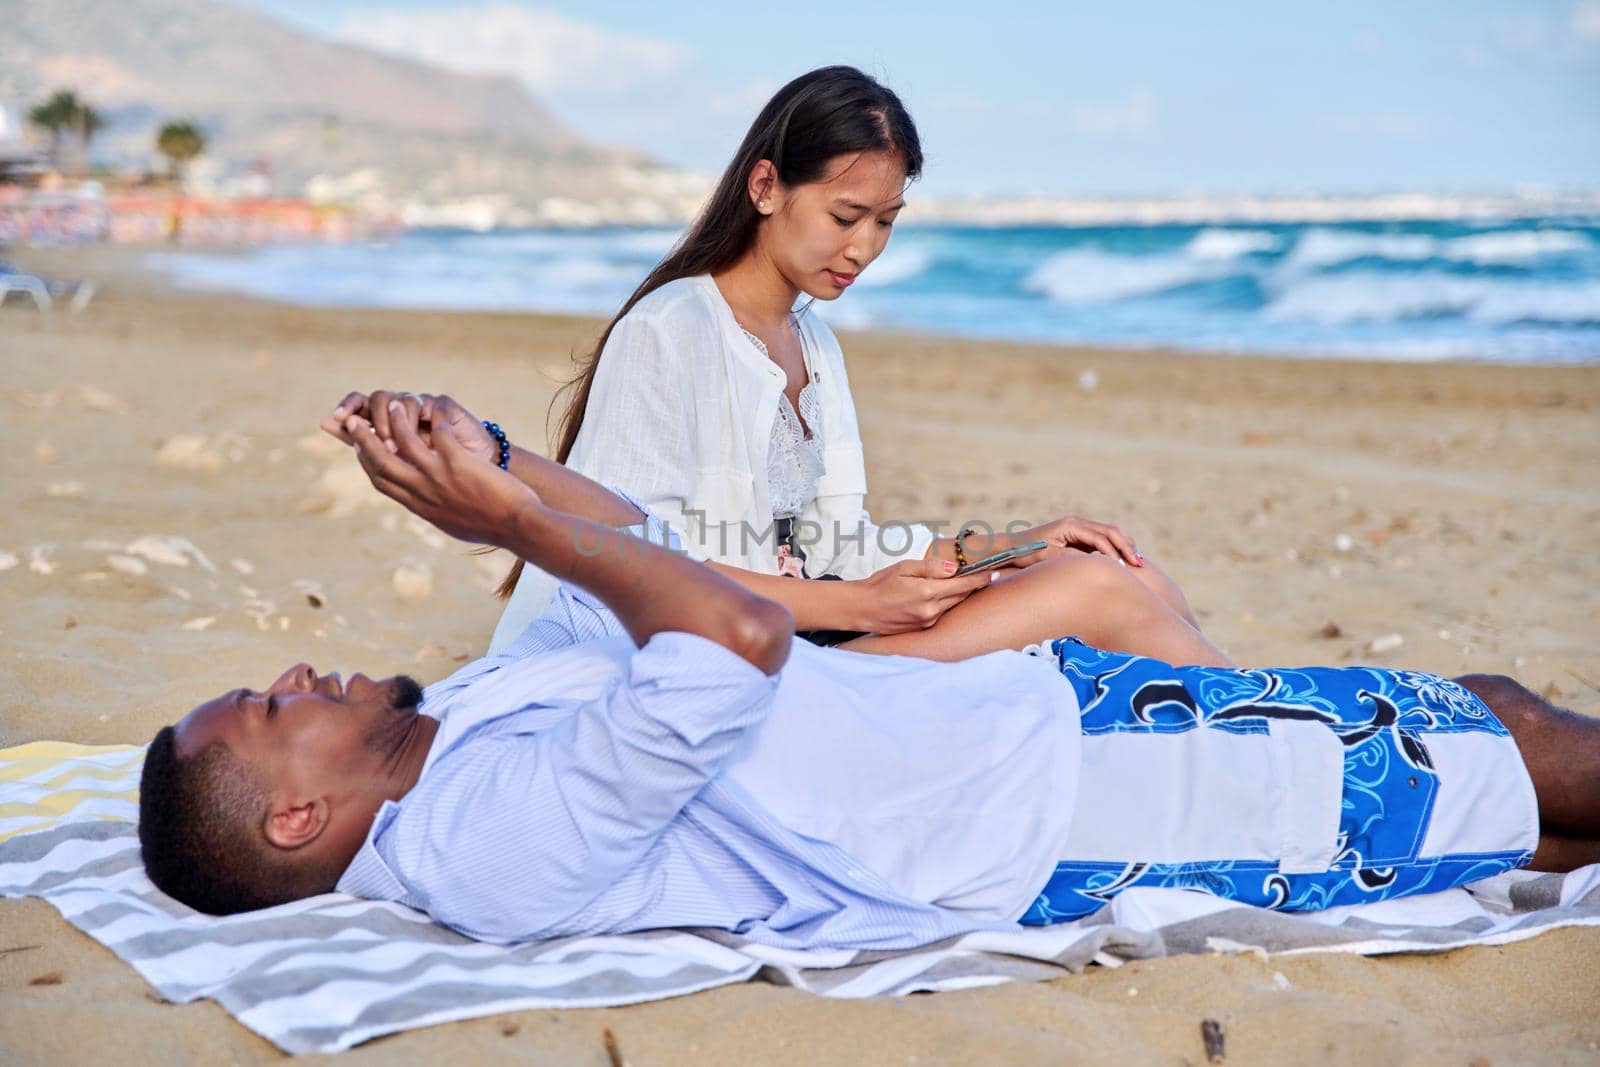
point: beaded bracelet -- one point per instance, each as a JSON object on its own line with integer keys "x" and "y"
{"x": 499, "y": 436}
{"x": 961, "y": 550}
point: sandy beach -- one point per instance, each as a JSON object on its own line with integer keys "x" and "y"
{"x": 179, "y": 526}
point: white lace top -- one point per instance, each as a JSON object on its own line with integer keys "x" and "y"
{"x": 794, "y": 458}
{"x": 670, "y": 420}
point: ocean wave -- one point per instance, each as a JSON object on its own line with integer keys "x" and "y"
{"x": 1217, "y": 243}
{"x": 1091, "y": 276}
{"x": 895, "y": 266}
{"x": 1413, "y": 290}
{"x": 1321, "y": 247}
{"x": 421, "y": 277}
{"x": 1557, "y": 305}
{"x": 844, "y": 314}
{"x": 1367, "y": 297}
{"x": 1517, "y": 246}
{"x": 633, "y": 245}
{"x": 1326, "y": 248}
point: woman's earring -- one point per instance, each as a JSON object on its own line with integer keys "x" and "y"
{"x": 761, "y": 205}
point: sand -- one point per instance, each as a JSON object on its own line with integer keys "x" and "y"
{"x": 179, "y": 527}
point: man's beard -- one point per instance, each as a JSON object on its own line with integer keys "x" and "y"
{"x": 393, "y": 723}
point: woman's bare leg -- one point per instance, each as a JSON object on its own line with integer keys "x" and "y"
{"x": 1089, "y": 596}
{"x": 1161, "y": 584}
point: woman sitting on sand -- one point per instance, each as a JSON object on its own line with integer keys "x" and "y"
{"x": 729, "y": 414}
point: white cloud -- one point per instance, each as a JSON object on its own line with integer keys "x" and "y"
{"x": 553, "y": 55}
{"x": 1513, "y": 41}
{"x": 1586, "y": 19}
{"x": 641, "y": 92}
{"x": 1135, "y": 114}
{"x": 1521, "y": 35}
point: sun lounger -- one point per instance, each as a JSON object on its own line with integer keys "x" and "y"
{"x": 46, "y": 292}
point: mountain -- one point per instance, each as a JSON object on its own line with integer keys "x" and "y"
{"x": 266, "y": 92}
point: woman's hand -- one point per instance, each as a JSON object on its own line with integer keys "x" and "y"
{"x": 438, "y": 479}
{"x": 913, "y": 595}
{"x": 1072, "y": 533}
{"x": 421, "y": 411}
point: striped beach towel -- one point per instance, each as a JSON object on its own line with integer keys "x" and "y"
{"x": 323, "y": 974}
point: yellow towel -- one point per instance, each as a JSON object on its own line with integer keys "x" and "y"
{"x": 46, "y": 783}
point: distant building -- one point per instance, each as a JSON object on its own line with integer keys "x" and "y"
{"x": 20, "y": 159}
{"x": 13, "y": 129}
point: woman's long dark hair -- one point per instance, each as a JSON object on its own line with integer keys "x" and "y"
{"x": 821, "y": 115}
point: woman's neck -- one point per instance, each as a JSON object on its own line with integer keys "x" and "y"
{"x": 760, "y": 296}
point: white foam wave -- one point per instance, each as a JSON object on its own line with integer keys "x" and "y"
{"x": 1372, "y": 297}
{"x": 1090, "y": 276}
{"x": 426, "y": 277}
{"x": 894, "y": 266}
{"x": 844, "y": 313}
{"x": 1517, "y": 246}
{"x": 1576, "y": 305}
{"x": 646, "y": 244}
{"x": 1216, "y": 243}
{"x": 1419, "y": 295}
{"x": 1320, "y": 247}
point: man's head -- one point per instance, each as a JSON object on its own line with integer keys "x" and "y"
{"x": 258, "y": 798}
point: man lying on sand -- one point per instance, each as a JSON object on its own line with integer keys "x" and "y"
{"x": 657, "y": 751}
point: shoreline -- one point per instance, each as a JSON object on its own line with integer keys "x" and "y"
{"x": 1347, "y": 316}
{"x": 1382, "y": 498}
{"x": 124, "y": 268}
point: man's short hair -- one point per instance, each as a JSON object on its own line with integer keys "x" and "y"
{"x": 200, "y": 834}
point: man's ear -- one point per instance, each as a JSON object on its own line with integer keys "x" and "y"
{"x": 292, "y": 826}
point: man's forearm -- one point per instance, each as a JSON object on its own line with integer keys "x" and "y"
{"x": 651, "y": 589}
{"x": 566, "y": 491}
{"x": 814, "y": 605}
{"x": 569, "y": 492}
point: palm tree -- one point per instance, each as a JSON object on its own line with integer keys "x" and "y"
{"x": 180, "y": 142}
{"x": 54, "y": 116}
{"x": 87, "y": 122}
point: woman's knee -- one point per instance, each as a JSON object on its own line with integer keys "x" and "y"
{"x": 1091, "y": 571}
{"x": 1107, "y": 605}
{"x": 1105, "y": 584}
{"x": 1161, "y": 583}
{"x": 1110, "y": 577}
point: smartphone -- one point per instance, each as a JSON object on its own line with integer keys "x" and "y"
{"x": 1001, "y": 558}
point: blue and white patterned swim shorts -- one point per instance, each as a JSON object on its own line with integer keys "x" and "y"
{"x": 1291, "y": 789}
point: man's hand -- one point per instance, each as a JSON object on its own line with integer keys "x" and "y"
{"x": 421, "y": 410}
{"x": 438, "y": 479}
{"x": 435, "y": 459}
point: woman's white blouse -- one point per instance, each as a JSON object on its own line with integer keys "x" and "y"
{"x": 794, "y": 458}
{"x": 681, "y": 415}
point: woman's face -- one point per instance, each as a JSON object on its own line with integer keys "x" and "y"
{"x": 821, "y": 235}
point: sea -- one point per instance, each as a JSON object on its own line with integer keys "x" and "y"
{"x": 1523, "y": 290}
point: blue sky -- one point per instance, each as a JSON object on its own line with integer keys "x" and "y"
{"x": 1064, "y": 97}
